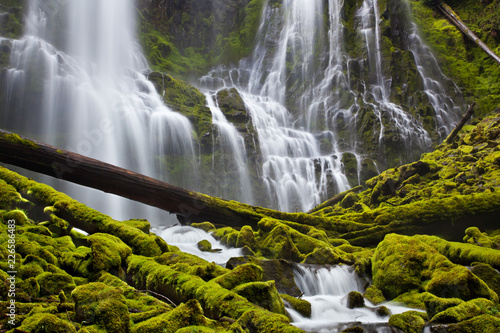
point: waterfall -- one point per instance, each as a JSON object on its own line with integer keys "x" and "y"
{"x": 82, "y": 65}
{"x": 326, "y": 288}
{"x": 318, "y": 107}
{"x": 312, "y": 102}
{"x": 229, "y": 156}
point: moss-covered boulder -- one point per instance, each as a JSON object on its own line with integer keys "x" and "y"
{"x": 278, "y": 270}
{"x": 355, "y": 300}
{"x": 186, "y": 314}
{"x": 402, "y": 263}
{"x": 409, "y": 322}
{"x": 239, "y": 275}
{"x": 464, "y": 311}
{"x": 263, "y": 294}
{"x": 52, "y": 283}
{"x": 434, "y": 304}
{"x": 488, "y": 274}
{"x": 102, "y": 305}
{"x": 108, "y": 252}
{"x": 46, "y": 322}
{"x": 374, "y": 295}
{"x": 482, "y": 323}
{"x": 300, "y": 305}
{"x": 204, "y": 245}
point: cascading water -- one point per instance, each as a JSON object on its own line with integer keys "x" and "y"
{"x": 312, "y": 102}
{"x": 229, "y": 155}
{"x": 326, "y": 288}
{"x": 84, "y": 68}
{"x": 77, "y": 75}
{"x": 186, "y": 239}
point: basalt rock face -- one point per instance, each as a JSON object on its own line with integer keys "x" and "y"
{"x": 187, "y": 38}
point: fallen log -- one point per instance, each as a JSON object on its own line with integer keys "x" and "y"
{"x": 189, "y": 205}
{"x": 461, "y": 123}
{"x": 453, "y": 18}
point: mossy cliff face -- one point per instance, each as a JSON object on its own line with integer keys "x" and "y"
{"x": 187, "y": 38}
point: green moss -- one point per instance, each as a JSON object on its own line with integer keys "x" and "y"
{"x": 142, "y": 225}
{"x": 97, "y": 303}
{"x": 216, "y": 301}
{"x": 79, "y": 262}
{"x": 402, "y": 263}
{"x": 53, "y": 283}
{"x": 412, "y": 299}
{"x": 482, "y": 323}
{"x": 488, "y": 274}
{"x": 108, "y": 252}
{"x": 206, "y": 226}
{"x": 474, "y": 236}
{"x": 434, "y": 304}
{"x": 300, "y": 305}
{"x": 46, "y": 322}
{"x": 241, "y": 274}
{"x": 410, "y": 322}
{"x": 355, "y": 300}
{"x": 464, "y": 254}
{"x": 17, "y": 215}
{"x": 374, "y": 295}
{"x": 30, "y": 286}
{"x": 463, "y": 311}
{"x": 204, "y": 245}
{"x": 263, "y": 294}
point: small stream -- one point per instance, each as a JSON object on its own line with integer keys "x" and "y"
{"x": 325, "y": 287}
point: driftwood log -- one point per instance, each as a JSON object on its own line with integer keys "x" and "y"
{"x": 189, "y": 205}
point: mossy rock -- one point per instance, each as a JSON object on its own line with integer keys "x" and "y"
{"x": 246, "y": 237}
{"x": 474, "y": 236}
{"x": 108, "y": 252}
{"x": 464, "y": 311}
{"x": 204, "y": 245}
{"x": 482, "y": 323}
{"x": 374, "y": 295}
{"x": 79, "y": 262}
{"x": 142, "y": 225}
{"x": 434, "y": 304}
{"x": 231, "y": 103}
{"x": 105, "y": 306}
{"x": 402, "y": 263}
{"x": 17, "y": 215}
{"x": 300, "y": 305}
{"x": 355, "y": 300}
{"x": 459, "y": 282}
{"x": 409, "y": 322}
{"x": 30, "y": 286}
{"x": 323, "y": 256}
{"x": 488, "y": 274}
{"x": 32, "y": 266}
{"x": 278, "y": 270}
{"x": 263, "y": 294}
{"x": 206, "y": 226}
{"x": 46, "y": 322}
{"x": 240, "y": 275}
{"x": 52, "y": 283}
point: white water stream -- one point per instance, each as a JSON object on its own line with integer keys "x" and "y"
{"x": 326, "y": 288}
